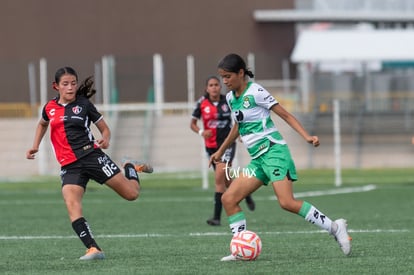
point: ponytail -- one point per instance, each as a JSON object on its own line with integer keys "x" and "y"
{"x": 249, "y": 73}
{"x": 86, "y": 88}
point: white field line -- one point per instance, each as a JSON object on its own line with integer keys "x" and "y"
{"x": 336, "y": 191}
{"x": 202, "y": 234}
{"x": 346, "y": 190}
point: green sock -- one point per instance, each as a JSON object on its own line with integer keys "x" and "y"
{"x": 237, "y": 222}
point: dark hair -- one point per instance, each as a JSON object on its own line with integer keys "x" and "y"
{"x": 207, "y": 80}
{"x": 234, "y": 63}
{"x": 212, "y": 77}
{"x": 86, "y": 88}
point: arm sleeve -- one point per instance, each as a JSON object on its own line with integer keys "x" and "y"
{"x": 44, "y": 113}
{"x": 93, "y": 113}
{"x": 264, "y": 98}
{"x": 197, "y": 110}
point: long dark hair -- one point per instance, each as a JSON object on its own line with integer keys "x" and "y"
{"x": 85, "y": 89}
{"x": 207, "y": 95}
{"x": 234, "y": 63}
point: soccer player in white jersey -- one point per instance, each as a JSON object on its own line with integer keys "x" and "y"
{"x": 251, "y": 106}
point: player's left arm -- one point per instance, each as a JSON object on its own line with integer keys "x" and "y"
{"x": 103, "y": 128}
{"x": 39, "y": 134}
{"x": 295, "y": 124}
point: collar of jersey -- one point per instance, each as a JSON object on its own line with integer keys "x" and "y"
{"x": 247, "y": 87}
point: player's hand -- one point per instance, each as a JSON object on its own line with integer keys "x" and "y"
{"x": 314, "y": 140}
{"x": 207, "y": 133}
{"x": 103, "y": 143}
{"x": 215, "y": 158}
{"x": 31, "y": 153}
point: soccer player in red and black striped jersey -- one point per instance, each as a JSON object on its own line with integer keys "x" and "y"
{"x": 69, "y": 116}
{"x": 215, "y": 114}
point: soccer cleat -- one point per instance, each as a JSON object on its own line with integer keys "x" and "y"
{"x": 140, "y": 167}
{"x": 342, "y": 237}
{"x": 143, "y": 168}
{"x": 93, "y": 253}
{"x": 213, "y": 222}
{"x": 229, "y": 258}
{"x": 250, "y": 203}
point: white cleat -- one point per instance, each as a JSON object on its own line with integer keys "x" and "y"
{"x": 229, "y": 258}
{"x": 342, "y": 237}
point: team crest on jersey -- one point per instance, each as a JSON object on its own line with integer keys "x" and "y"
{"x": 225, "y": 108}
{"x": 246, "y": 102}
{"x": 77, "y": 109}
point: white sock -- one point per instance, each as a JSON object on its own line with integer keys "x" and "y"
{"x": 238, "y": 226}
{"x": 318, "y": 218}
{"x": 237, "y": 222}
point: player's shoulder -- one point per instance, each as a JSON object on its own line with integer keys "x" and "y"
{"x": 201, "y": 99}
{"x": 52, "y": 102}
{"x": 229, "y": 96}
{"x": 256, "y": 88}
{"x": 82, "y": 100}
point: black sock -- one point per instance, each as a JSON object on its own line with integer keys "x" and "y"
{"x": 130, "y": 172}
{"x": 83, "y": 231}
{"x": 217, "y": 205}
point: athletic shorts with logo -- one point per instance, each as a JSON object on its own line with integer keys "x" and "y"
{"x": 274, "y": 165}
{"x": 97, "y": 166}
{"x": 227, "y": 157}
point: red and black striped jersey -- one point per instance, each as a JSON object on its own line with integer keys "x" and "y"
{"x": 70, "y": 134}
{"x": 216, "y": 116}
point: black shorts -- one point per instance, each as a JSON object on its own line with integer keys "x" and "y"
{"x": 97, "y": 166}
{"x": 227, "y": 157}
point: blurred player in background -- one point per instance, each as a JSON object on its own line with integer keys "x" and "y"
{"x": 69, "y": 116}
{"x": 251, "y": 106}
{"x": 212, "y": 108}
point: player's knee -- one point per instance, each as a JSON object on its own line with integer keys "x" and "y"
{"x": 225, "y": 199}
{"x": 131, "y": 195}
{"x": 286, "y": 204}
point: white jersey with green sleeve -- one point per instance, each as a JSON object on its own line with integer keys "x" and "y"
{"x": 252, "y": 113}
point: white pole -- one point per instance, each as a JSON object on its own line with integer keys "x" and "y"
{"x": 251, "y": 62}
{"x": 105, "y": 80}
{"x": 204, "y": 166}
{"x": 43, "y": 98}
{"x": 337, "y": 142}
{"x": 190, "y": 80}
{"x": 98, "y": 82}
{"x": 304, "y": 86}
{"x": 285, "y": 76}
{"x": 43, "y": 81}
{"x": 32, "y": 85}
{"x": 158, "y": 83}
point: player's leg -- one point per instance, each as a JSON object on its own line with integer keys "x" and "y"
{"x": 281, "y": 171}
{"x": 220, "y": 187}
{"x": 102, "y": 169}
{"x": 72, "y": 195}
{"x": 239, "y": 189}
{"x": 127, "y": 186}
{"x": 338, "y": 228}
{"x": 228, "y": 157}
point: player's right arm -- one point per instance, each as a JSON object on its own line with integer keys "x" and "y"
{"x": 39, "y": 134}
{"x": 230, "y": 139}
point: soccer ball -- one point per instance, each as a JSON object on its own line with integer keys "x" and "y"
{"x": 246, "y": 245}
